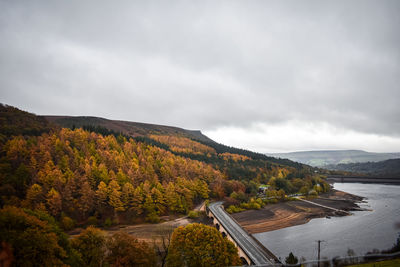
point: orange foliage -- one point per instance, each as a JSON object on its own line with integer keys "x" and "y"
{"x": 235, "y": 157}
{"x": 78, "y": 172}
{"x": 183, "y": 144}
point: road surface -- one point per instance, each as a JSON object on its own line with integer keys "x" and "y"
{"x": 242, "y": 238}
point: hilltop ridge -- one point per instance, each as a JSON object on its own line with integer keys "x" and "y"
{"x": 128, "y": 128}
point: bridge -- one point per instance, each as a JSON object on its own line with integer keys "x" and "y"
{"x": 251, "y": 251}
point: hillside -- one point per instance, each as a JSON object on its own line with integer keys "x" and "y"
{"x": 331, "y": 157}
{"x": 88, "y": 169}
{"x": 145, "y": 132}
{"x": 17, "y": 122}
{"x": 127, "y": 128}
{"x": 66, "y": 173}
{"x": 388, "y": 168}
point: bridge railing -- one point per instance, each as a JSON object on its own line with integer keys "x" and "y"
{"x": 261, "y": 246}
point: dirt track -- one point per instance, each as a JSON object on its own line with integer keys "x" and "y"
{"x": 148, "y": 232}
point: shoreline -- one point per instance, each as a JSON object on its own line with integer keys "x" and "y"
{"x": 286, "y": 214}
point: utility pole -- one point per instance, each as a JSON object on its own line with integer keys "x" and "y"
{"x": 319, "y": 250}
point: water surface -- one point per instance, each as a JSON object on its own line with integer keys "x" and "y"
{"x": 362, "y": 232}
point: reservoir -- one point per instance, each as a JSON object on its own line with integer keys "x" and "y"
{"x": 362, "y": 232}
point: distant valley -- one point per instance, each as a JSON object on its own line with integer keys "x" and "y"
{"x": 325, "y": 158}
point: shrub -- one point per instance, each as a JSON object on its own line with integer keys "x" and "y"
{"x": 270, "y": 201}
{"x": 92, "y": 220}
{"x": 152, "y": 218}
{"x": 254, "y": 204}
{"x": 67, "y": 223}
{"x": 108, "y": 222}
{"x": 313, "y": 193}
{"x": 193, "y": 214}
{"x": 234, "y": 209}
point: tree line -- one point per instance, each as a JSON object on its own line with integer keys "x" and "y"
{"x": 33, "y": 238}
{"x": 80, "y": 174}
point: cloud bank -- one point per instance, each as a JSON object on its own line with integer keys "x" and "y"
{"x": 264, "y": 75}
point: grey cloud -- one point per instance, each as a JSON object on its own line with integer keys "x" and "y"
{"x": 204, "y": 64}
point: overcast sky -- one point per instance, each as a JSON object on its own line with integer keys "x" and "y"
{"x": 270, "y": 76}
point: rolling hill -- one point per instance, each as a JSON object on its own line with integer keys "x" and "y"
{"x": 322, "y": 158}
{"x": 388, "y": 168}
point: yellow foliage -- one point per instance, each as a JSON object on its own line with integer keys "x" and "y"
{"x": 235, "y": 157}
{"x": 183, "y": 144}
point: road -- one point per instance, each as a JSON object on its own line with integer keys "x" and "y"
{"x": 242, "y": 238}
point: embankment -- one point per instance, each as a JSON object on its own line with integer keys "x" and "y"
{"x": 286, "y": 214}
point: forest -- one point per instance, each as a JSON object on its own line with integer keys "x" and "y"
{"x": 96, "y": 176}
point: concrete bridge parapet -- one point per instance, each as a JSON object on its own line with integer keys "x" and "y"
{"x": 243, "y": 256}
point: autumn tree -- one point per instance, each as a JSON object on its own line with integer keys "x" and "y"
{"x": 125, "y": 250}
{"x": 54, "y": 202}
{"x": 138, "y": 199}
{"x": 218, "y": 190}
{"x": 158, "y": 198}
{"x": 173, "y": 199}
{"x": 150, "y": 208}
{"x": 86, "y": 199}
{"x": 101, "y": 195}
{"x": 90, "y": 244}
{"x": 114, "y": 194}
{"x": 162, "y": 241}
{"x": 201, "y": 245}
{"x": 201, "y": 189}
{"x": 128, "y": 195}
{"x": 34, "y": 196}
{"x": 33, "y": 241}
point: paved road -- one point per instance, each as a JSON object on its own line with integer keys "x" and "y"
{"x": 246, "y": 242}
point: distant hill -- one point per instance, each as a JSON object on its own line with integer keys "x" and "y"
{"x": 322, "y": 158}
{"x": 388, "y": 168}
{"x": 18, "y": 122}
{"x": 125, "y": 127}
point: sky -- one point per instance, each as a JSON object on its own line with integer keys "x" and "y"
{"x": 269, "y": 76}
